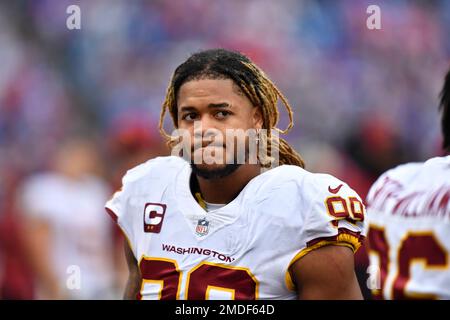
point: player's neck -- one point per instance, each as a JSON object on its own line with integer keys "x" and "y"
{"x": 224, "y": 190}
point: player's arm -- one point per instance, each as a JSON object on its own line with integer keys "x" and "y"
{"x": 134, "y": 278}
{"x": 119, "y": 262}
{"x": 326, "y": 273}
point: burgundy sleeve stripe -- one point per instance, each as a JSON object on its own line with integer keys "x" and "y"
{"x": 335, "y": 238}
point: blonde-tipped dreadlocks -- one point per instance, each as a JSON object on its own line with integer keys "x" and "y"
{"x": 224, "y": 64}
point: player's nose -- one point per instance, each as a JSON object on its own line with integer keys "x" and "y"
{"x": 204, "y": 125}
{"x": 208, "y": 122}
{"x": 205, "y": 133}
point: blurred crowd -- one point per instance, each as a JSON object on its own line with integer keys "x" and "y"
{"x": 364, "y": 101}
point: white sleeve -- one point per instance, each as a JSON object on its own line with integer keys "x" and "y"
{"x": 336, "y": 216}
{"x": 126, "y": 206}
{"x": 119, "y": 210}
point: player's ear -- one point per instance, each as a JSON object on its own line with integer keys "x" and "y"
{"x": 257, "y": 117}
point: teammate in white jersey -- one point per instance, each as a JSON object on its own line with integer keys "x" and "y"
{"x": 67, "y": 237}
{"x": 409, "y": 217}
{"x": 225, "y": 229}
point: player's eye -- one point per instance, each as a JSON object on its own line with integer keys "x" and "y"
{"x": 222, "y": 114}
{"x": 189, "y": 116}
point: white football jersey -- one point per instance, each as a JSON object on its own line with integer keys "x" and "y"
{"x": 80, "y": 243}
{"x": 409, "y": 231}
{"x": 240, "y": 251}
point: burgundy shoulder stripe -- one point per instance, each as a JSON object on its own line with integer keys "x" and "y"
{"x": 334, "y": 238}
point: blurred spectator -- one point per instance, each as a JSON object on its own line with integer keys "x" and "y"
{"x": 64, "y": 225}
{"x": 375, "y": 145}
{"x": 131, "y": 140}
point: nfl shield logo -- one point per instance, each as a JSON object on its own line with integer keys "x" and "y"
{"x": 202, "y": 227}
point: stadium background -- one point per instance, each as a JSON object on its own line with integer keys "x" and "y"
{"x": 364, "y": 100}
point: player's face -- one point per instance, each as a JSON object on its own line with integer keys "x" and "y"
{"x": 212, "y": 107}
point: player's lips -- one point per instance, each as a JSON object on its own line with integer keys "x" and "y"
{"x": 206, "y": 145}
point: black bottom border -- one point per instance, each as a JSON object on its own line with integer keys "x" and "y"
{"x": 270, "y": 310}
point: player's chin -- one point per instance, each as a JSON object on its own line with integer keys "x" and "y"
{"x": 213, "y": 171}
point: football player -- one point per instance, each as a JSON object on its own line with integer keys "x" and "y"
{"x": 67, "y": 238}
{"x": 228, "y": 229}
{"x": 409, "y": 218}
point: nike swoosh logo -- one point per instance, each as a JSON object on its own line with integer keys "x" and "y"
{"x": 335, "y": 190}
